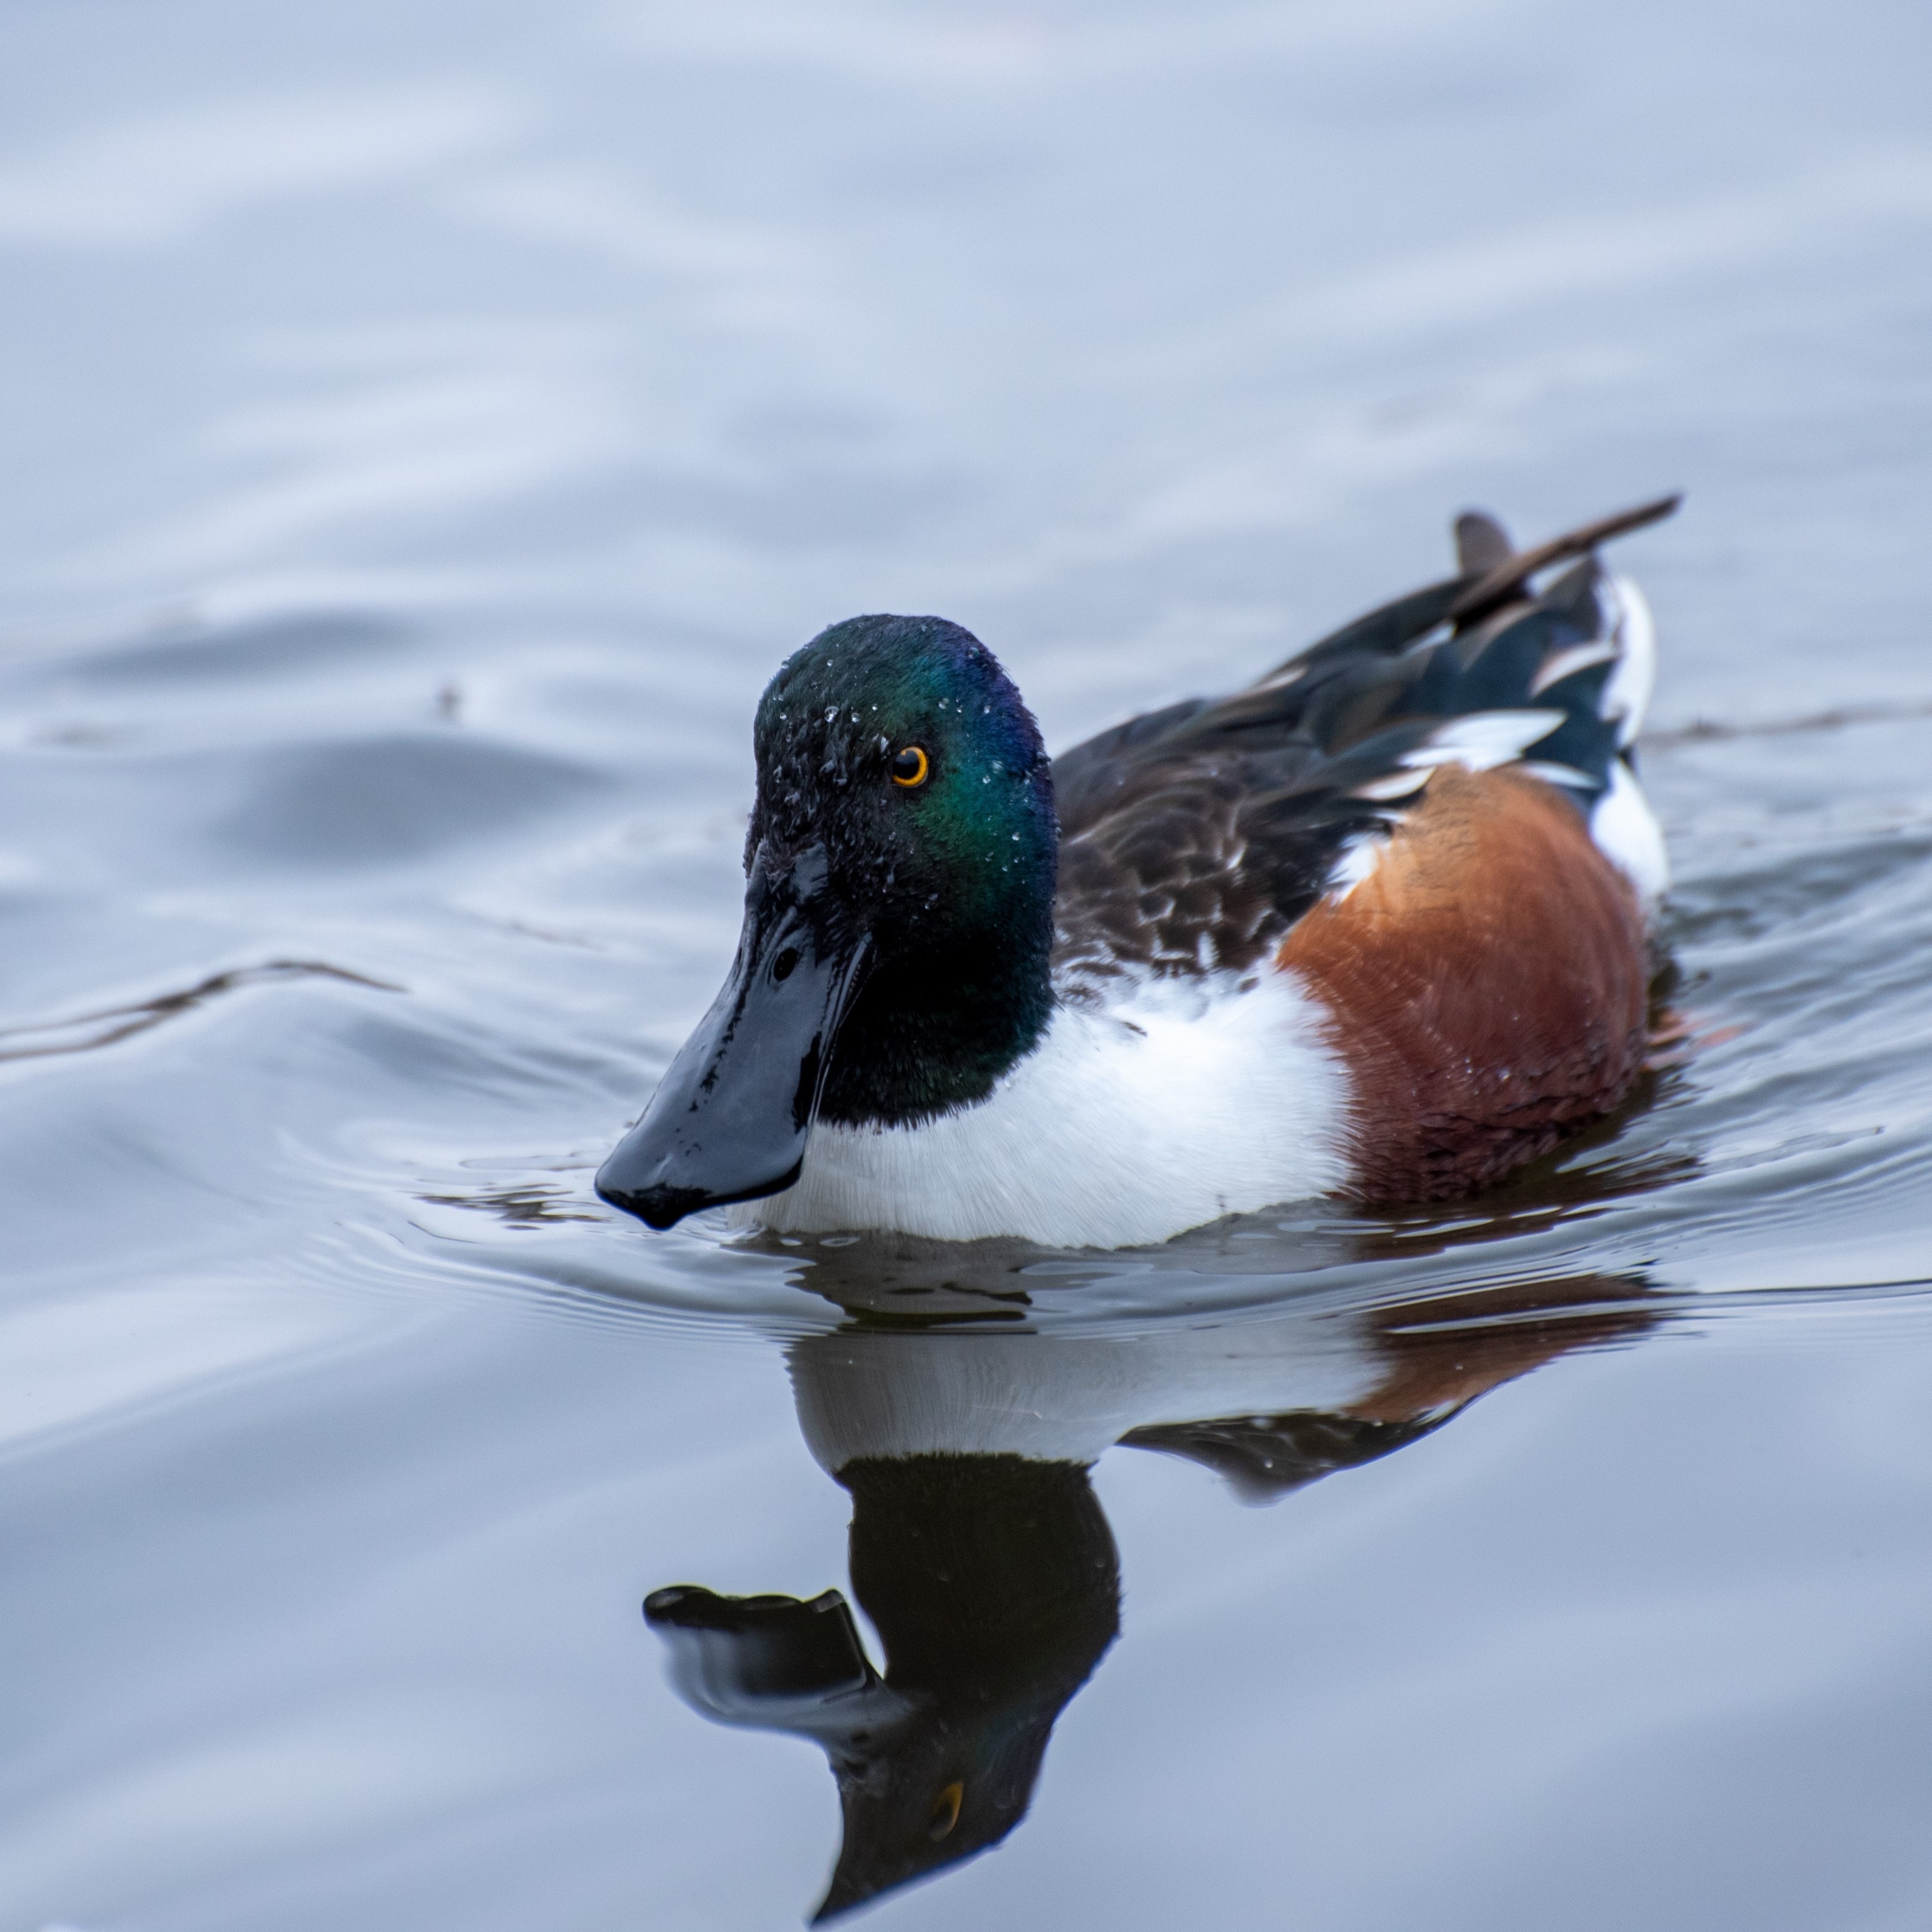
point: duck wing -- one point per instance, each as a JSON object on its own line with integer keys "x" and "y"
{"x": 1192, "y": 837}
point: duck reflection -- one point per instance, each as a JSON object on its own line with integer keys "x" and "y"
{"x": 993, "y": 1582}
{"x": 981, "y": 1554}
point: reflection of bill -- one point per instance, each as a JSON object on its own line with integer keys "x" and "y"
{"x": 979, "y": 1551}
{"x": 993, "y": 1582}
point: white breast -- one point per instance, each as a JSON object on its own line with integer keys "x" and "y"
{"x": 1175, "y": 1106}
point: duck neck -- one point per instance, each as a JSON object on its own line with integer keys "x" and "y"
{"x": 930, "y": 1033}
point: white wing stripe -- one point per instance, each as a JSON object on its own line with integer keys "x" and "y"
{"x": 1578, "y": 657}
{"x": 1484, "y": 739}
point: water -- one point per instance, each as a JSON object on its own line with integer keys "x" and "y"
{"x": 427, "y": 426}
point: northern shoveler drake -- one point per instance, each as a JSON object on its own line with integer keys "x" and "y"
{"x": 1375, "y": 926}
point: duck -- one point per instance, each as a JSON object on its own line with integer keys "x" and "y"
{"x": 1377, "y": 926}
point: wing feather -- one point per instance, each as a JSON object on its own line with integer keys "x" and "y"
{"x": 1192, "y": 837}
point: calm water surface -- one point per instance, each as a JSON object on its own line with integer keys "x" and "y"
{"x": 427, "y": 426}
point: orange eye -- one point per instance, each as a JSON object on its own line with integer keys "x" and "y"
{"x": 945, "y": 1812}
{"x": 909, "y": 767}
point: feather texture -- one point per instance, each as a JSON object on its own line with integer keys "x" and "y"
{"x": 1192, "y": 838}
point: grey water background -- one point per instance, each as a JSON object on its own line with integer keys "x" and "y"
{"x": 426, "y": 427}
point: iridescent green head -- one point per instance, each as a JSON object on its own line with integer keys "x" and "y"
{"x": 901, "y": 745}
{"x": 899, "y": 919}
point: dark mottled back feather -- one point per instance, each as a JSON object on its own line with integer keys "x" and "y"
{"x": 1192, "y": 837}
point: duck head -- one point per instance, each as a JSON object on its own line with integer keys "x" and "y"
{"x": 899, "y": 916}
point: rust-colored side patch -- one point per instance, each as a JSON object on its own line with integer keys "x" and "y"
{"x": 1487, "y": 983}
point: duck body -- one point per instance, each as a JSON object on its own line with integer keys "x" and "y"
{"x": 1375, "y": 926}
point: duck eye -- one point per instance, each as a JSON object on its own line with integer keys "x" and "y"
{"x": 910, "y": 766}
{"x": 945, "y": 1811}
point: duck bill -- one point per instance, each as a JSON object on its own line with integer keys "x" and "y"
{"x": 731, "y": 1117}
